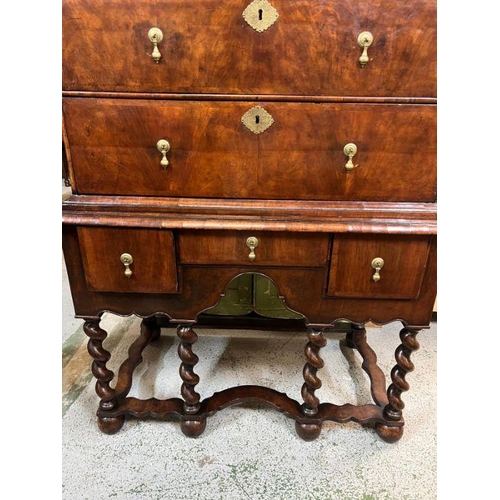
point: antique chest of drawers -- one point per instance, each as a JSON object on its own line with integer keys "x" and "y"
{"x": 293, "y": 140}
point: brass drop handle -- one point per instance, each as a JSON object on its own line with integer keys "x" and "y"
{"x": 365, "y": 39}
{"x": 163, "y": 147}
{"x": 126, "y": 260}
{"x": 350, "y": 150}
{"x": 252, "y": 243}
{"x": 377, "y": 264}
{"x": 155, "y": 36}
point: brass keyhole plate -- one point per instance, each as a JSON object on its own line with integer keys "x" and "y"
{"x": 260, "y": 15}
{"x": 257, "y": 120}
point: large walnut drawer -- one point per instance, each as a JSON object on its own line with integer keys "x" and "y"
{"x": 154, "y": 263}
{"x": 113, "y": 146}
{"x": 207, "y": 47}
{"x": 351, "y": 272}
{"x": 273, "y": 249}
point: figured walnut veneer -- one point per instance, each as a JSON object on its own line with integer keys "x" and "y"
{"x": 209, "y": 48}
{"x": 154, "y": 269}
{"x": 319, "y": 221}
{"x": 299, "y": 157}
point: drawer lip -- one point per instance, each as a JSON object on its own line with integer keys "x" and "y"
{"x": 269, "y": 215}
{"x": 426, "y": 100}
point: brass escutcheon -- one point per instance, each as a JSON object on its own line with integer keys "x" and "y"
{"x": 260, "y": 15}
{"x": 252, "y": 243}
{"x": 365, "y": 39}
{"x": 127, "y": 259}
{"x": 155, "y": 36}
{"x": 257, "y": 120}
{"x": 377, "y": 264}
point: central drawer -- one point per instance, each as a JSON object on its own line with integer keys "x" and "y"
{"x": 302, "y": 155}
{"x": 256, "y": 248}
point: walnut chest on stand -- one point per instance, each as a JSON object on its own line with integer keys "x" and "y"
{"x": 292, "y": 140}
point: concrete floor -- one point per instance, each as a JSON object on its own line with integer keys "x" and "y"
{"x": 248, "y": 452}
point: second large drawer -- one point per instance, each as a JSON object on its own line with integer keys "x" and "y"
{"x": 372, "y": 152}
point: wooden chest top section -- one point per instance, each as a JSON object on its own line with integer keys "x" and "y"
{"x": 208, "y": 47}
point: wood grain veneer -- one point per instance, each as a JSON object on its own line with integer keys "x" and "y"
{"x": 154, "y": 268}
{"x": 310, "y": 50}
{"x": 113, "y": 147}
{"x": 319, "y": 226}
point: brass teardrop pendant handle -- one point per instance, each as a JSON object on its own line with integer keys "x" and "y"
{"x": 365, "y": 39}
{"x": 163, "y": 147}
{"x": 377, "y": 264}
{"x": 350, "y": 150}
{"x": 155, "y": 36}
{"x": 127, "y": 259}
{"x": 252, "y": 243}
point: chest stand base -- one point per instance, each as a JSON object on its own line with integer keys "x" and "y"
{"x": 384, "y": 414}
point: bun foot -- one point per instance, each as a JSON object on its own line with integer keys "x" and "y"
{"x": 110, "y": 425}
{"x": 193, "y": 428}
{"x": 389, "y": 434}
{"x": 308, "y": 432}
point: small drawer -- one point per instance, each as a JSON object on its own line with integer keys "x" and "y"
{"x": 128, "y": 260}
{"x": 253, "y": 248}
{"x": 377, "y": 266}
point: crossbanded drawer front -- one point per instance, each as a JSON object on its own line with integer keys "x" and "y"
{"x": 378, "y": 266}
{"x": 253, "y": 248}
{"x": 128, "y": 260}
{"x": 300, "y": 47}
{"x": 301, "y": 152}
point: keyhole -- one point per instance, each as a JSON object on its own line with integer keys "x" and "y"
{"x": 257, "y": 119}
{"x": 260, "y": 14}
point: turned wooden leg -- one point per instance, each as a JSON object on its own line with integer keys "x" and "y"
{"x": 357, "y": 332}
{"x": 152, "y": 325}
{"x": 190, "y": 425}
{"x": 104, "y": 376}
{"x": 310, "y": 431}
{"x": 393, "y": 411}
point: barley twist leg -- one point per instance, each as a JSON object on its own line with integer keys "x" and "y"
{"x": 190, "y": 426}
{"x": 393, "y": 411}
{"x": 104, "y": 376}
{"x": 310, "y": 431}
{"x": 357, "y": 332}
{"x": 152, "y": 325}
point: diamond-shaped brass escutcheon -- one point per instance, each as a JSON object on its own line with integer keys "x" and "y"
{"x": 257, "y": 120}
{"x": 260, "y": 15}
